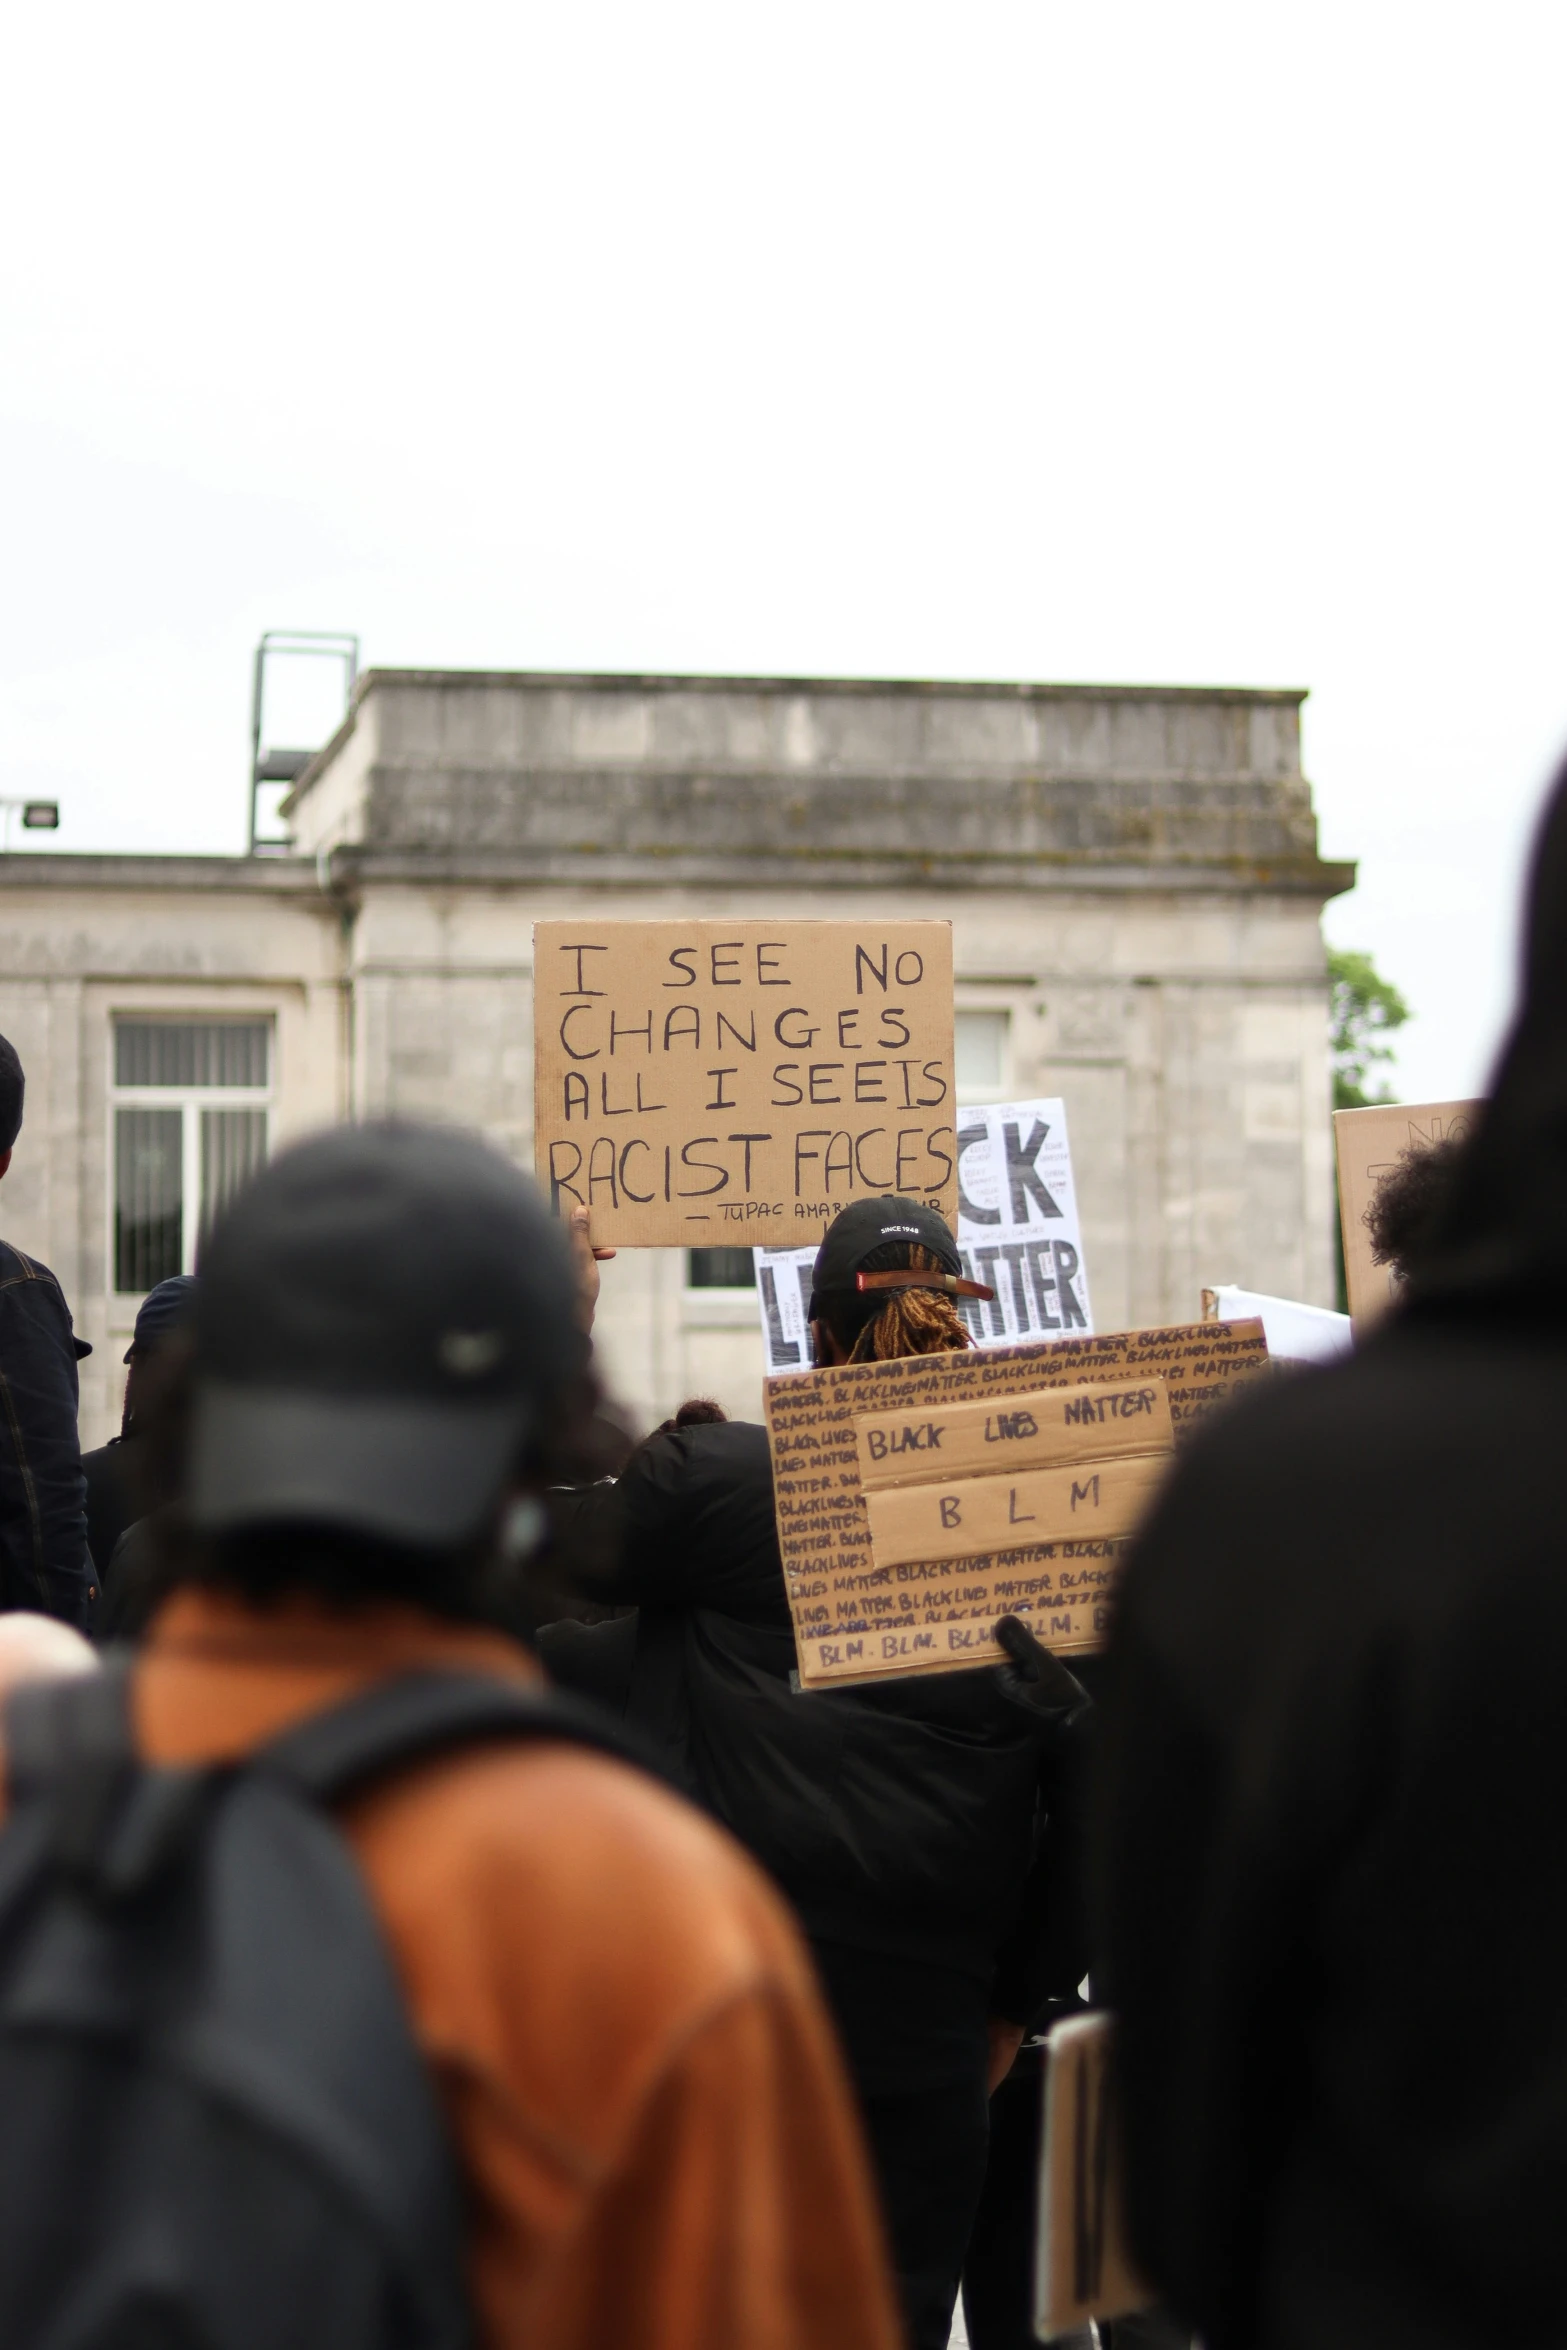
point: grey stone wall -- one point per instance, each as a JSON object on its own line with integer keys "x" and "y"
{"x": 926, "y": 785}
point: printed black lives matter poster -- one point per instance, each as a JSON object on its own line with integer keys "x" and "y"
{"x": 702, "y": 1084}
{"x": 1017, "y": 1231}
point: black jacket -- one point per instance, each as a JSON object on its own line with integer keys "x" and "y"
{"x": 1335, "y": 1790}
{"x": 43, "y": 1522}
{"x": 903, "y": 1820}
{"x": 111, "y": 1501}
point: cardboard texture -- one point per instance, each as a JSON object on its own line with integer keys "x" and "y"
{"x": 858, "y": 1616}
{"x": 1038, "y": 1431}
{"x": 1368, "y": 1144}
{"x": 1017, "y": 1231}
{"x": 1083, "y": 2263}
{"x": 975, "y": 1516}
{"x": 702, "y": 1084}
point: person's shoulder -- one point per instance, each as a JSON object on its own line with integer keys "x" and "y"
{"x": 28, "y": 1288}
{"x": 1327, "y": 1501}
{"x": 708, "y": 1452}
{"x": 570, "y": 1935}
{"x": 17, "y": 1268}
{"x": 588, "y": 1867}
{"x": 32, "y": 1304}
{"x": 738, "y": 1443}
{"x": 1379, "y": 1405}
{"x": 712, "y": 1439}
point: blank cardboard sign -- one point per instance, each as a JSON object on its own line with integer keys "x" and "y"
{"x": 869, "y": 1598}
{"x": 710, "y": 1084}
{"x": 1368, "y": 1144}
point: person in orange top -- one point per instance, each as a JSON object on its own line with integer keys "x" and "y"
{"x": 658, "y": 2147}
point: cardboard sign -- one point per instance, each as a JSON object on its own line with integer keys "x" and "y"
{"x": 860, "y": 1615}
{"x": 1083, "y": 2264}
{"x": 1001, "y": 1502}
{"x": 1017, "y": 1231}
{"x": 1369, "y": 1144}
{"x": 1061, "y": 1466}
{"x": 702, "y": 1083}
{"x": 979, "y": 1515}
{"x": 1040, "y": 1430}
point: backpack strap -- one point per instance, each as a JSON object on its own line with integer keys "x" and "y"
{"x": 116, "y": 1823}
{"x": 70, "y": 1753}
{"x": 53, "y": 1729}
{"x": 420, "y": 1715}
{"x": 70, "y": 1741}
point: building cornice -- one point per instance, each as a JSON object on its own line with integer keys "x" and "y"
{"x": 351, "y": 871}
{"x": 272, "y": 877}
{"x": 924, "y": 688}
{"x": 1063, "y": 874}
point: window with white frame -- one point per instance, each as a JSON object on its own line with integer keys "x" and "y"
{"x": 980, "y": 1052}
{"x": 191, "y": 1100}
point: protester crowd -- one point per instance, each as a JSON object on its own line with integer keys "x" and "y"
{"x": 434, "y": 1913}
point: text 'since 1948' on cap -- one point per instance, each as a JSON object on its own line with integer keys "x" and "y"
{"x": 384, "y": 1318}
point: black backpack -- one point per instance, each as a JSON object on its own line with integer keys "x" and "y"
{"x": 216, "y": 2129}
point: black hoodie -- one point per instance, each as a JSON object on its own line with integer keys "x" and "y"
{"x": 1334, "y": 1793}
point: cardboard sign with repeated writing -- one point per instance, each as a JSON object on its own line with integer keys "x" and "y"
{"x": 869, "y": 1598}
{"x": 707, "y": 1084}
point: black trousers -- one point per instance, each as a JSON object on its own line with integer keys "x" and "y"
{"x": 998, "y": 2274}
{"x": 916, "y": 2046}
{"x": 928, "y": 2147}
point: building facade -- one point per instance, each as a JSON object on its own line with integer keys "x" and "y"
{"x": 1131, "y": 875}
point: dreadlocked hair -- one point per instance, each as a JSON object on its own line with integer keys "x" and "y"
{"x": 906, "y": 1321}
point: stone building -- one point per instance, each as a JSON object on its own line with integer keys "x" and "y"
{"x": 1131, "y": 874}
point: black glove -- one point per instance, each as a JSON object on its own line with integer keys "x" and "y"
{"x": 1035, "y": 1679}
{"x": 1049, "y": 1948}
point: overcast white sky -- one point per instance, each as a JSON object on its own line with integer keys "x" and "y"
{"x": 1203, "y": 344}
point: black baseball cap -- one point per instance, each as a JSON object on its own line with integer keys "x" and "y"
{"x": 383, "y": 1319}
{"x": 160, "y": 1311}
{"x": 869, "y": 1224}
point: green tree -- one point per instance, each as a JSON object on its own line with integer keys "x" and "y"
{"x": 1364, "y": 1010}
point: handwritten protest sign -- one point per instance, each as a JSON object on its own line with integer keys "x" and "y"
{"x": 1083, "y": 2264}
{"x": 1046, "y": 1467}
{"x": 702, "y": 1083}
{"x": 859, "y": 1613}
{"x": 1017, "y": 1231}
{"x": 1060, "y": 1424}
{"x": 1369, "y": 1144}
